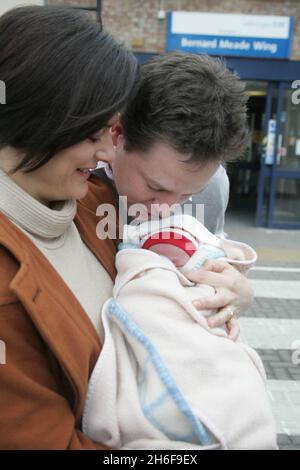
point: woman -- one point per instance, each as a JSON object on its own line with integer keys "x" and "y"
{"x": 66, "y": 81}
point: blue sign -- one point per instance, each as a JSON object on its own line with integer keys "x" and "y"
{"x": 230, "y": 35}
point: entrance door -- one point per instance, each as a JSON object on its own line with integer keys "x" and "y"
{"x": 244, "y": 173}
{"x": 278, "y": 203}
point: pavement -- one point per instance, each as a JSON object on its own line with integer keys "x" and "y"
{"x": 272, "y": 324}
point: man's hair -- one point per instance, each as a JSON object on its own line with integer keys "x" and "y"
{"x": 193, "y": 103}
{"x": 64, "y": 77}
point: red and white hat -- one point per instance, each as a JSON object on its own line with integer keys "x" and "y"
{"x": 186, "y": 231}
{"x": 173, "y": 236}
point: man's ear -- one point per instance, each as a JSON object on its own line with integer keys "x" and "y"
{"x": 116, "y": 132}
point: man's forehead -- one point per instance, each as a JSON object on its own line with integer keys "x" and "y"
{"x": 183, "y": 177}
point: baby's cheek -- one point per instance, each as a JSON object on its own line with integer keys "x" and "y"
{"x": 175, "y": 254}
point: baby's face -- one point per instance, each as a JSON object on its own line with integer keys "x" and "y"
{"x": 175, "y": 254}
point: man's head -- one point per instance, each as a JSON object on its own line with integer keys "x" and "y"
{"x": 188, "y": 116}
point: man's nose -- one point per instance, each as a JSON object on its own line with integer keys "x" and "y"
{"x": 165, "y": 204}
{"x": 168, "y": 199}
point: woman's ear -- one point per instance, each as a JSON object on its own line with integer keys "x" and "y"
{"x": 116, "y": 132}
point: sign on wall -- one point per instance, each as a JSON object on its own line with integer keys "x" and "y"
{"x": 230, "y": 34}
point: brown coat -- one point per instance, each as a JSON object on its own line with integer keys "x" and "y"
{"x": 51, "y": 344}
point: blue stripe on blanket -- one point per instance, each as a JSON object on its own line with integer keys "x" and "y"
{"x": 206, "y": 252}
{"x": 162, "y": 401}
{"x": 127, "y": 246}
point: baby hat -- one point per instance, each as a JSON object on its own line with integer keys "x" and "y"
{"x": 173, "y": 236}
{"x": 188, "y": 233}
{"x": 182, "y": 230}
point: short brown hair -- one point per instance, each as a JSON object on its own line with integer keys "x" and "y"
{"x": 192, "y": 102}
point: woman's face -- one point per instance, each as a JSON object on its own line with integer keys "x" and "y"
{"x": 65, "y": 176}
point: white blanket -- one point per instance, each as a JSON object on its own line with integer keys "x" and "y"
{"x": 164, "y": 379}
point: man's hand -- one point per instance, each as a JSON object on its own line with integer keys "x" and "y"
{"x": 234, "y": 294}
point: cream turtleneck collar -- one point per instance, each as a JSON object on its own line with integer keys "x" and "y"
{"x": 31, "y": 215}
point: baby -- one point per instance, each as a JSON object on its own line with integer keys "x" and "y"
{"x": 164, "y": 379}
{"x": 187, "y": 243}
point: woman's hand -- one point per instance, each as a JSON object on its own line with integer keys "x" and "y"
{"x": 234, "y": 294}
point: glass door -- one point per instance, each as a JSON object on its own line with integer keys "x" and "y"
{"x": 279, "y": 187}
{"x": 285, "y": 177}
{"x": 244, "y": 173}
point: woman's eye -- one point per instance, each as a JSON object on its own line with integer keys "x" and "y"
{"x": 155, "y": 189}
{"x": 94, "y": 139}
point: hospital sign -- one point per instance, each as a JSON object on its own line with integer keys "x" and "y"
{"x": 230, "y": 34}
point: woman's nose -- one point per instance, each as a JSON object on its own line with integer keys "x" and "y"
{"x": 107, "y": 154}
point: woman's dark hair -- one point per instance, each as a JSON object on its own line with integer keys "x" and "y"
{"x": 64, "y": 77}
{"x": 193, "y": 103}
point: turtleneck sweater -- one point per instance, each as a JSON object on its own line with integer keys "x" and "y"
{"x": 55, "y": 234}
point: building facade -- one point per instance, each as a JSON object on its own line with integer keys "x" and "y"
{"x": 141, "y": 26}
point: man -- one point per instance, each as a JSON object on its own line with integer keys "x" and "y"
{"x": 187, "y": 118}
{"x": 198, "y": 107}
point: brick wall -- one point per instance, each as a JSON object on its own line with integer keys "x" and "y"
{"x": 135, "y": 22}
{"x": 6, "y": 5}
